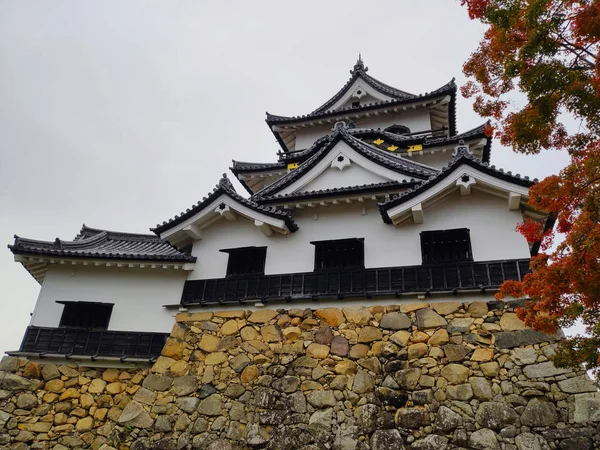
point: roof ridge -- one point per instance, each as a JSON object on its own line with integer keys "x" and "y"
{"x": 225, "y": 186}
{"x": 102, "y": 245}
{"x": 125, "y": 235}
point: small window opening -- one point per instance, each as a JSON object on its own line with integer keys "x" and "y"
{"x": 339, "y": 254}
{"x": 86, "y": 315}
{"x": 356, "y": 104}
{"x": 400, "y": 130}
{"x": 446, "y": 246}
{"x": 246, "y": 260}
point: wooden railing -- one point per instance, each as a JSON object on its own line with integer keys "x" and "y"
{"x": 93, "y": 343}
{"x": 354, "y": 283}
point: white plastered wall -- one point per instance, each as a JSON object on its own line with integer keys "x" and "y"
{"x": 332, "y": 177}
{"x": 137, "y": 295}
{"x": 491, "y": 225}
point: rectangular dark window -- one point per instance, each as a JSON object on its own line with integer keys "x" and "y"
{"x": 340, "y": 254}
{"x": 86, "y": 315}
{"x": 246, "y": 260}
{"x": 445, "y": 246}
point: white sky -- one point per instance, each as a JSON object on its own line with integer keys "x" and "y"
{"x": 122, "y": 114}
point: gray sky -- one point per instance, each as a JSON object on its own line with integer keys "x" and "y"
{"x": 122, "y": 114}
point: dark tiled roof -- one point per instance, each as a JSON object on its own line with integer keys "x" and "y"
{"x": 449, "y": 88}
{"x": 242, "y": 166}
{"x": 463, "y": 157}
{"x": 246, "y": 167}
{"x": 225, "y": 187}
{"x": 356, "y": 190}
{"x": 103, "y": 244}
{"x": 386, "y": 159}
{"x": 426, "y": 141}
{"x": 306, "y": 153}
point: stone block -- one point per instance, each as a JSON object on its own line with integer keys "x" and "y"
{"x": 584, "y": 408}
{"x": 395, "y": 321}
{"x": 510, "y": 322}
{"x": 427, "y": 318}
{"x": 455, "y": 373}
{"x": 262, "y": 316}
{"x": 577, "y": 385}
{"x": 495, "y": 415}
{"x": 358, "y": 315}
{"x": 512, "y": 339}
{"x": 331, "y": 316}
{"x": 542, "y": 370}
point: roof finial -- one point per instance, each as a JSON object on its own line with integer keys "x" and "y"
{"x": 359, "y": 66}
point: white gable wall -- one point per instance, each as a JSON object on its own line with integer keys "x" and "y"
{"x": 367, "y": 93}
{"x": 332, "y": 177}
{"x": 138, "y": 295}
{"x": 491, "y": 224}
{"x": 321, "y": 174}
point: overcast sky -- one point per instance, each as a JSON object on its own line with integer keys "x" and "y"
{"x": 121, "y": 114}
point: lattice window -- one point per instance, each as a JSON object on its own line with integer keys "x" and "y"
{"x": 246, "y": 260}
{"x": 446, "y": 246}
{"x": 86, "y": 315}
{"x": 339, "y": 254}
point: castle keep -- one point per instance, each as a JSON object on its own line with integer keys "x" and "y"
{"x": 345, "y": 301}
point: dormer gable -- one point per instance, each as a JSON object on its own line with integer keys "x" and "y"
{"x": 222, "y": 203}
{"x": 371, "y": 103}
{"x": 344, "y": 160}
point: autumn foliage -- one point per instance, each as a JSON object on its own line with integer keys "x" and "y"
{"x": 536, "y": 68}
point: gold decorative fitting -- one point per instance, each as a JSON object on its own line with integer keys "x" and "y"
{"x": 292, "y": 166}
{"x": 392, "y": 148}
{"x": 378, "y": 141}
{"x": 415, "y": 148}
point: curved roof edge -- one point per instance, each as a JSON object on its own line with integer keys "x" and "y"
{"x": 447, "y": 89}
{"x": 103, "y": 244}
{"x": 225, "y": 187}
{"x": 354, "y": 190}
{"x": 360, "y": 71}
{"x": 462, "y": 157}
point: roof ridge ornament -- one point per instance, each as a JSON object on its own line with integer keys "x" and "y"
{"x": 462, "y": 149}
{"x": 342, "y": 125}
{"x": 225, "y": 183}
{"x": 359, "y": 66}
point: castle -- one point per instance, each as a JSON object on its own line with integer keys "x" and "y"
{"x": 346, "y": 302}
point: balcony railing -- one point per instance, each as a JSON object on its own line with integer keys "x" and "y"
{"x": 93, "y": 343}
{"x": 354, "y": 283}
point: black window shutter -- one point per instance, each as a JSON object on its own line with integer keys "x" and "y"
{"x": 86, "y": 315}
{"x": 339, "y": 254}
{"x": 246, "y": 261}
{"x": 443, "y": 246}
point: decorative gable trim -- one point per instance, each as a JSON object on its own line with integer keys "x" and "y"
{"x": 223, "y": 202}
{"x": 462, "y": 174}
{"x": 377, "y": 161}
{"x": 358, "y": 89}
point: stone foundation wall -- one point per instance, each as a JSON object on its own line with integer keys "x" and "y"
{"x": 410, "y": 376}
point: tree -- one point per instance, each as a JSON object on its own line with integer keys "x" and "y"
{"x": 548, "y": 51}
